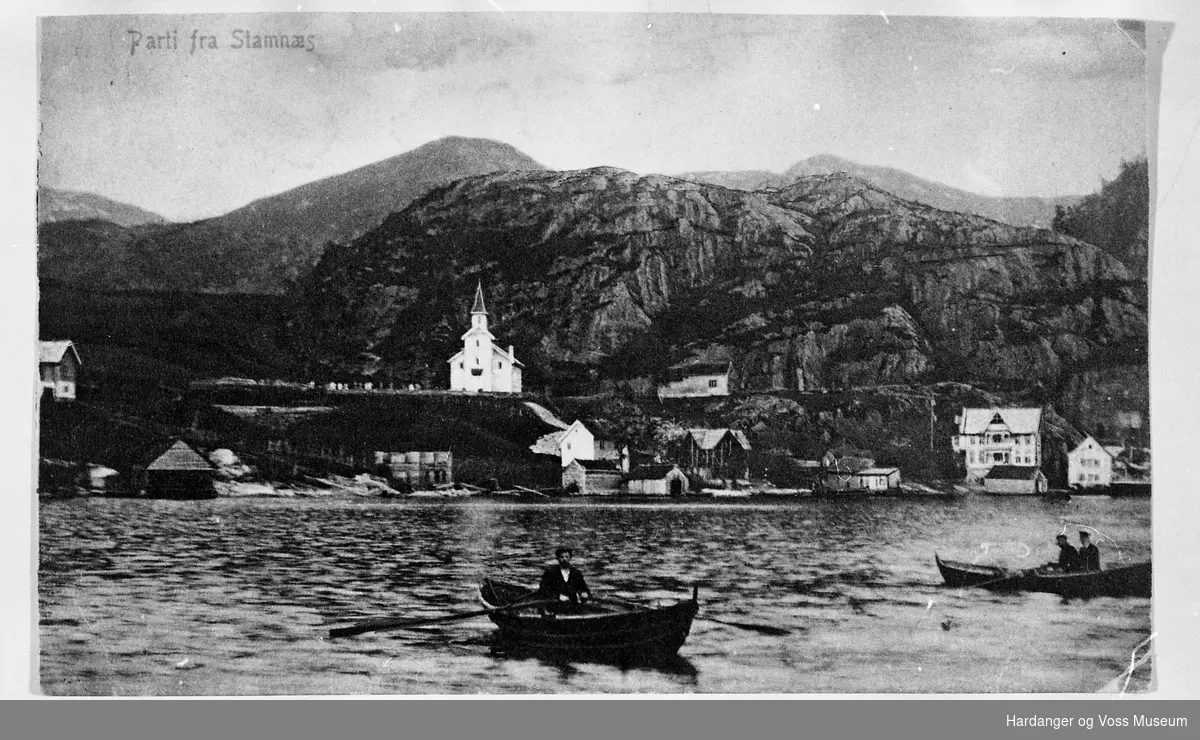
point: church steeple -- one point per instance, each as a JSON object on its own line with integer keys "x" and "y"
{"x": 478, "y": 307}
{"x": 478, "y": 312}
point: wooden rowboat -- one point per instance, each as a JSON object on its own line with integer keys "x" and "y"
{"x": 1121, "y": 580}
{"x": 605, "y": 629}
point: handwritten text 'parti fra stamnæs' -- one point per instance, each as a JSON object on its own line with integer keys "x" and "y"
{"x": 237, "y": 39}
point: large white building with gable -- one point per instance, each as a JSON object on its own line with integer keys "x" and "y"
{"x": 999, "y": 436}
{"x": 481, "y": 365}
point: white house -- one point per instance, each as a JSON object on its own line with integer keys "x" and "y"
{"x": 577, "y": 442}
{"x": 696, "y": 379}
{"x": 481, "y": 365}
{"x": 58, "y": 367}
{"x": 1090, "y": 465}
{"x": 998, "y": 436}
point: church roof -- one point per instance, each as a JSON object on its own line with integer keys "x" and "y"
{"x": 478, "y": 305}
{"x": 496, "y": 352}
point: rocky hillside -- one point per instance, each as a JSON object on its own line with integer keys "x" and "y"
{"x": 1019, "y": 211}
{"x": 262, "y": 247}
{"x": 829, "y": 283}
{"x": 70, "y": 205}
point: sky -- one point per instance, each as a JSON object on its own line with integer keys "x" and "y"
{"x": 1019, "y": 106}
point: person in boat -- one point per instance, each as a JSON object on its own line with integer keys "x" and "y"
{"x": 563, "y": 583}
{"x": 1089, "y": 554}
{"x": 1068, "y": 556}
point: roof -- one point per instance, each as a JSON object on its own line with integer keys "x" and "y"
{"x": 877, "y": 471}
{"x": 652, "y": 472}
{"x": 504, "y": 355}
{"x": 595, "y": 466}
{"x": 53, "y": 351}
{"x": 548, "y": 444}
{"x": 1018, "y": 421}
{"x": 180, "y": 456}
{"x": 694, "y": 367}
{"x": 1012, "y": 472}
{"x": 477, "y": 307}
{"x": 1095, "y": 445}
{"x": 844, "y": 450}
{"x": 707, "y": 439}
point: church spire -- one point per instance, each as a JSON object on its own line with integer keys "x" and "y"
{"x": 478, "y": 307}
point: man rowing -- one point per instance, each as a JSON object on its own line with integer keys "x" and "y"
{"x": 563, "y": 583}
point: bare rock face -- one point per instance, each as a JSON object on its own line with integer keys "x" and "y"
{"x": 829, "y": 283}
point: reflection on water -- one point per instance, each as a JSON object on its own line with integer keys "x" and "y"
{"x": 236, "y": 596}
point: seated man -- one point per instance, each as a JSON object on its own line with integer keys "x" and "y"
{"x": 562, "y": 583}
{"x": 1068, "y": 556}
{"x": 1089, "y": 554}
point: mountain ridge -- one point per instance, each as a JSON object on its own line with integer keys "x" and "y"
{"x": 1036, "y": 211}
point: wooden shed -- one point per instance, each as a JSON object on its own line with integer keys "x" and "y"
{"x": 657, "y": 480}
{"x": 591, "y": 478}
{"x": 1015, "y": 480}
{"x": 716, "y": 454}
{"x": 179, "y": 472}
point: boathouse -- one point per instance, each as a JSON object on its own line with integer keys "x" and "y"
{"x": 591, "y": 478}
{"x": 841, "y": 467}
{"x": 657, "y": 480}
{"x": 1015, "y": 480}
{"x": 715, "y": 455}
{"x": 481, "y": 365}
{"x": 58, "y": 368}
{"x": 1090, "y": 465}
{"x": 416, "y": 470}
{"x": 178, "y": 472}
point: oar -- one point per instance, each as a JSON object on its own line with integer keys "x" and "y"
{"x": 994, "y": 581}
{"x": 388, "y": 623}
{"x": 763, "y": 628}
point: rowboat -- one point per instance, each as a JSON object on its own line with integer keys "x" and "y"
{"x": 604, "y": 629}
{"x": 1122, "y": 580}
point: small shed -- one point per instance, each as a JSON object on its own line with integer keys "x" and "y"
{"x": 657, "y": 480}
{"x": 591, "y": 477}
{"x": 878, "y": 479}
{"x": 1015, "y": 480}
{"x": 179, "y": 472}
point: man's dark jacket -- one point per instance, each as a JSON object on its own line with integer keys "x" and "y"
{"x": 552, "y": 584}
{"x": 1068, "y": 558}
{"x": 1089, "y": 557}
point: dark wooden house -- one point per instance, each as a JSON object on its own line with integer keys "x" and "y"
{"x": 713, "y": 455}
{"x": 178, "y": 472}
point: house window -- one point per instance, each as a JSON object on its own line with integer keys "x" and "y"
{"x": 998, "y": 457}
{"x": 996, "y": 438}
{"x": 476, "y": 342}
{"x": 971, "y": 456}
{"x": 476, "y": 371}
{"x": 462, "y": 365}
{"x": 499, "y": 365}
{"x": 712, "y": 383}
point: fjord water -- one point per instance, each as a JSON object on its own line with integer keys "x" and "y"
{"x": 235, "y": 596}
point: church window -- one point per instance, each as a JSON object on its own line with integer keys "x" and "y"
{"x": 476, "y": 342}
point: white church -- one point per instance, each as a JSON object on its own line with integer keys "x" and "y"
{"x": 481, "y": 365}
